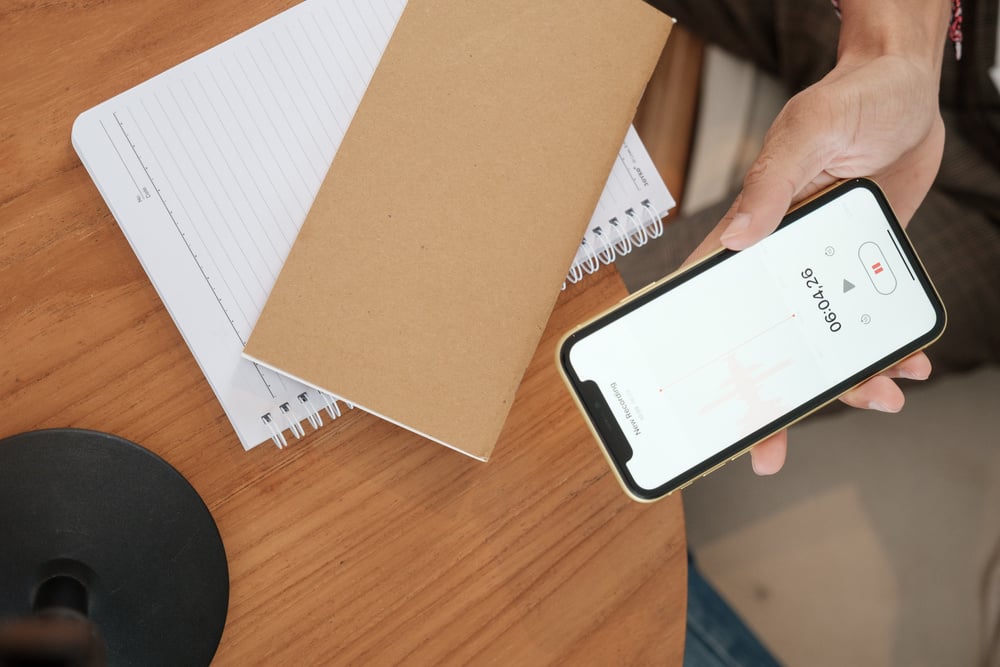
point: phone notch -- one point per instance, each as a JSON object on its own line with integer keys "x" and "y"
{"x": 612, "y": 434}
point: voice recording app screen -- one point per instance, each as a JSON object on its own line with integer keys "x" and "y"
{"x": 758, "y": 335}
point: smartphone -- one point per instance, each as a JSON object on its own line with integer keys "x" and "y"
{"x": 695, "y": 369}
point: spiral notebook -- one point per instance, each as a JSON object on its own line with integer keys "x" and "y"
{"x": 211, "y": 168}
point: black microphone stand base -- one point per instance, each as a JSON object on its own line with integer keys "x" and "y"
{"x": 95, "y": 526}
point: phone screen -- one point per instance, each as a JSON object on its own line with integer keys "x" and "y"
{"x": 713, "y": 360}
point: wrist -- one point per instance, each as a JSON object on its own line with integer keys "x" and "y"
{"x": 914, "y": 30}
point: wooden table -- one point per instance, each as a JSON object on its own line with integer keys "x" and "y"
{"x": 361, "y": 544}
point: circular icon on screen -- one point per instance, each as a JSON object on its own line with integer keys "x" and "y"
{"x": 866, "y": 319}
{"x": 829, "y": 251}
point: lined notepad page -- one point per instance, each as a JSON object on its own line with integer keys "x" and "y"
{"x": 210, "y": 169}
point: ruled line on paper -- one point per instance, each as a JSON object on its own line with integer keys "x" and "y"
{"x": 230, "y": 153}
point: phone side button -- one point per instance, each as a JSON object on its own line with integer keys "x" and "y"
{"x": 640, "y": 291}
{"x": 741, "y": 453}
{"x": 706, "y": 474}
{"x": 681, "y": 487}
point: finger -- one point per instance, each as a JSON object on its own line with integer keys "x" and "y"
{"x": 791, "y": 160}
{"x": 914, "y": 367}
{"x": 768, "y": 456}
{"x": 711, "y": 242}
{"x": 879, "y": 393}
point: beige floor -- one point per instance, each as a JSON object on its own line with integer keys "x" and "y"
{"x": 867, "y": 549}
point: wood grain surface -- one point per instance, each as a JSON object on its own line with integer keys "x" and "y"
{"x": 362, "y": 543}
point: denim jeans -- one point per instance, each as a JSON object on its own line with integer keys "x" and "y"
{"x": 716, "y": 637}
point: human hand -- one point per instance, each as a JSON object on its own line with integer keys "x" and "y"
{"x": 875, "y": 117}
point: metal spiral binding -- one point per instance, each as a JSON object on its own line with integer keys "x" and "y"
{"x": 620, "y": 237}
{"x": 291, "y": 419}
{"x": 656, "y": 229}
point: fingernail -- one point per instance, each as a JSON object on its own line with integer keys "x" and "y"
{"x": 881, "y": 407}
{"x": 910, "y": 375}
{"x": 759, "y": 470}
{"x": 737, "y": 226}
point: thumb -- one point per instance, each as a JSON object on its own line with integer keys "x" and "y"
{"x": 789, "y": 167}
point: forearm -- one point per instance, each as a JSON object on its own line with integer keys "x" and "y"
{"x": 914, "y": 29}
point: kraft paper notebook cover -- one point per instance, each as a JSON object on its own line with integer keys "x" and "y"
{"x": 425, "y": 271}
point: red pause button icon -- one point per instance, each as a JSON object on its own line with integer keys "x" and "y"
{"x": 878, "y": 268}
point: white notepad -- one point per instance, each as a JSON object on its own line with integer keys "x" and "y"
{"x": 211, "y": 167}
